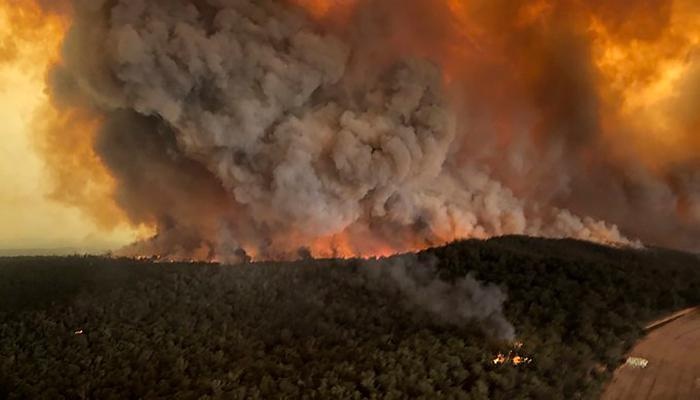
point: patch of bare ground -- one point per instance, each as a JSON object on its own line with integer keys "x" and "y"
{"x": 673, "y": 371}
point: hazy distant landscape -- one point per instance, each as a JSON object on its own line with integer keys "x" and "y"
{"x": 60, "y": 251}
{"x": 92, "y": 327}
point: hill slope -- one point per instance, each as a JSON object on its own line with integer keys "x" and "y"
{"x": 88, "y": 327}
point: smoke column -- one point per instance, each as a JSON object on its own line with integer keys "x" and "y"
{"x": 459, "y": 303}
{"x": 259, "y": 128}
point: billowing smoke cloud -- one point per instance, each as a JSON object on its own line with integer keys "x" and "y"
{"x": 249, "y": 126}
{"x": 459, "y": 303}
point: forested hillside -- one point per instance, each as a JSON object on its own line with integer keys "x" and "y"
{"x": 101, "y": 328}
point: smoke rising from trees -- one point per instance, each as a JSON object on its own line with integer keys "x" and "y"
{"x": 240, "y": 125}
{"x": 458, "y": 303}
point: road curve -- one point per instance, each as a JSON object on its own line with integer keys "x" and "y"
{"x": 673, "y": 372}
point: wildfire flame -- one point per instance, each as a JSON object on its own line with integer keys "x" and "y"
{"x": 512, "y": 357}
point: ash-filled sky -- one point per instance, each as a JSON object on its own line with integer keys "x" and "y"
{"x": 355, "y": 127}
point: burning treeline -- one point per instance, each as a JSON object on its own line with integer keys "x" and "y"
{"x": 373, "y": 127}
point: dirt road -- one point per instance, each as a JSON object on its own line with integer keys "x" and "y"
{"x": 673, "y": 372}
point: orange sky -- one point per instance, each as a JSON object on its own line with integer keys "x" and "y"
{"x": 28, "y": 218}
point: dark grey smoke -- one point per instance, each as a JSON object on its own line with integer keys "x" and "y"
{"x": 463, "y": 302}
{"x": 404, "y": 288}
{"x": 243, "y": 125}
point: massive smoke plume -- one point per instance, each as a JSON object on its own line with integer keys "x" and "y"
{"x": 370, "y": 127}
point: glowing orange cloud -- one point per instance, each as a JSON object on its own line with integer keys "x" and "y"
{"x": 30, "y": 42}
{"x": 645, "y": 79}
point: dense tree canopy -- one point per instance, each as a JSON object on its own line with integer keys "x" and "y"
{"x": 91, "y": 327}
